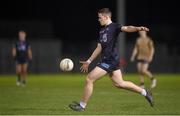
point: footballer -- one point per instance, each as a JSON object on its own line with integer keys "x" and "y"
{"x": 107, "y": 47}
{"x": 144, "y": 52}
{"x": 21, "y": 53}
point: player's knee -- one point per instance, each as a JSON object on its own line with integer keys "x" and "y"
{"x": 18, "y": 71}
{"x": 24, "y": 71}
{"x": 140, "y": 72}
{"x": 89, "y": 79}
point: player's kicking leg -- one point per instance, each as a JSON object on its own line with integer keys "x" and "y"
{"x": 94, "y": 75}
{"x": 149, "y": 74}
{"x": 118, "y": 81}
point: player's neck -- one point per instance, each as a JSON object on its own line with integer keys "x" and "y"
{"x": 108, "y": 22}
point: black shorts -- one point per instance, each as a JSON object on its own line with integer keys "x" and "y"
{"x": 143, "y": 61}
{"x": 109, "y": 67}
{"x": 21, "y": 61}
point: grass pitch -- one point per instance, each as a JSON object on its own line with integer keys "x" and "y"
{"x": 51, "y": 94}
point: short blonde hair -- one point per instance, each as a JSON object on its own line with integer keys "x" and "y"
{"x": 105, "y": 11}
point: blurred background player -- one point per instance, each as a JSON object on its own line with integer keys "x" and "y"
{"x": 22, "y": 53}
{"x": 108, "y": 48}
{"x": 143, "y": 52}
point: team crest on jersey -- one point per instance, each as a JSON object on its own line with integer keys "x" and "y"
{"x": 104, "y": 38}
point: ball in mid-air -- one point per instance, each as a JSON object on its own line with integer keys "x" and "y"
{"x": 66, "y": 64}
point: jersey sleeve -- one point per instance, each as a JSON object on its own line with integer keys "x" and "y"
{"x": 28, "y": 45}
{"x": 118, "y": 28}
{"x": 99, "y": 36}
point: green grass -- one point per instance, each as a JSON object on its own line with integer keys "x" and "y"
{"x": 51, "y": 94}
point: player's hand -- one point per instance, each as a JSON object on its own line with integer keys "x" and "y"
{"x": 84, "y": 67}
{"x": 143, "y": 28}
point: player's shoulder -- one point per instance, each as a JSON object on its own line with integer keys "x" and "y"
{"x": 28, "y": 43}
{"x": 116, "y": 24}
{"x": 150, "y": 39}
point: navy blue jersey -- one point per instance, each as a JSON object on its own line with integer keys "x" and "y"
{"x": 108, "y": 36}
{"x": 22, "y": 50}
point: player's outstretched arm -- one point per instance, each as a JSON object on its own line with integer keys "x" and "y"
{"x": 85, "y": 64}
{"x": 133, "y": 28}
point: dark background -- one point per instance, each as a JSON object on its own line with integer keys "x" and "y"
{"x": 75, "y": 24}
{"x": 77, "y": 20}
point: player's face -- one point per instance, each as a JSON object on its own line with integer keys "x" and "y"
{"x": 22, "y": 36}
{"x": 102, "y": 19}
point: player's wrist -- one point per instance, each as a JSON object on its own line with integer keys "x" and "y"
{"x": 89, "y": 61}
{"x": 139, "y": 28}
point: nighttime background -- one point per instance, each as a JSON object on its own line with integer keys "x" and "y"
{"x": 75, "y": 23}
{"x": 58, "y": 29}
{"x": 77, "y": 20}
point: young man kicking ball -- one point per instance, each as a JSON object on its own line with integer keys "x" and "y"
{"x": 109, "y": 63}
